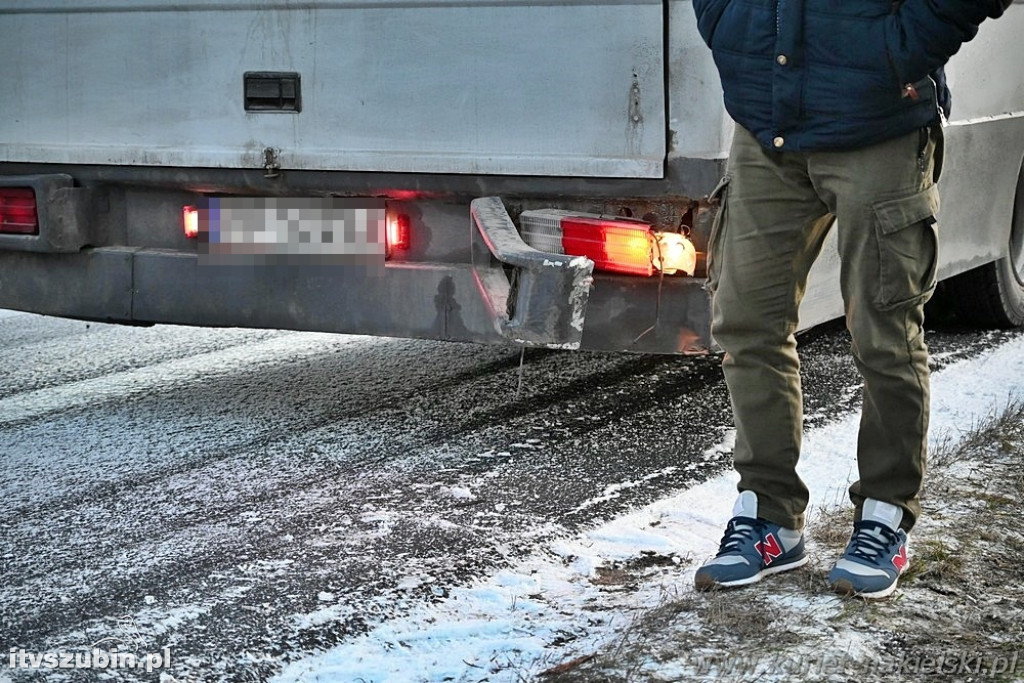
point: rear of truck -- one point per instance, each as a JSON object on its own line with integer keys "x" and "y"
{"x": 489, "y": 171}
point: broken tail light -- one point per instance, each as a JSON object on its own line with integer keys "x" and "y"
{"x": 615, "y": 245}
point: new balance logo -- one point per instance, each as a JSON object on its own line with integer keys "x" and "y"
{"x": 769, "y": 549}
{"x": 899, "y": 560}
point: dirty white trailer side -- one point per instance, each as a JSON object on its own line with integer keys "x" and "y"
{"x": 457, "y": 115}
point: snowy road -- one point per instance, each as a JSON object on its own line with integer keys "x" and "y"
{"x": 248, "y": 497}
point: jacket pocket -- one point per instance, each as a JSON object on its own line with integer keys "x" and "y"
{"x": 908, "y": 248}
{"x": 721, "y": 193}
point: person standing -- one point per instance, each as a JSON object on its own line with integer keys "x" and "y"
{"x": 838, "y": 107}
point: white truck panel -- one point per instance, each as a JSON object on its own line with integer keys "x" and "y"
{"x": 699, "y": 127}
{"x": 985, "y": 76}
{"x": 143, "y": 82}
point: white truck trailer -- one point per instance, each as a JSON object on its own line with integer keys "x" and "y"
{"x": 390, "y": 167}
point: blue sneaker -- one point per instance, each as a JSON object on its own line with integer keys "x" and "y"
{"x": 751, "y": 548}
{"x": 876, "y": 555}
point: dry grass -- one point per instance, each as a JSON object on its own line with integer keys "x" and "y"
{"x": 999, "y": 428}
{"x": 831, "y": 526}
{"x": 717, "y": 611}
{"x": 936, "y": 559}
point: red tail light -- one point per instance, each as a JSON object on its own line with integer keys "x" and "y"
{"x": 190, "y": 221}
{"x": 614, "y": 246}
{"x": 397, "y": 232}
{"x": 18, "y": 211}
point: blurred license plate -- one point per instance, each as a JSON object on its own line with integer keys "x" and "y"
{"x": 275, "y": 229}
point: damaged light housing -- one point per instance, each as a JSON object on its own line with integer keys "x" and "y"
{"x": 617, "y": 245}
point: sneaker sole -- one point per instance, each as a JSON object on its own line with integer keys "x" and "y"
{"x": 844, "y": 587}
{"x": 708, "y": 584}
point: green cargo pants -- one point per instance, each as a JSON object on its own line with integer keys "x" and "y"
{"x": 777, "y": 208}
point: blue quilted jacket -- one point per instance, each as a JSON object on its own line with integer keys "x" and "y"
{"x": 836, "y": 74}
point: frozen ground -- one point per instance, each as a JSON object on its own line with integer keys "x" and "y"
{"x": 561, "y": 602}
{"x": 259, "y": 500}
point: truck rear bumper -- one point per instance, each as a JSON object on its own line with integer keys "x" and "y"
{"x": 509, "y": 294}
{"x": 427, "y": 301}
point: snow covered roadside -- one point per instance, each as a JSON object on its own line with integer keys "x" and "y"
{"x": 576, "y": 596}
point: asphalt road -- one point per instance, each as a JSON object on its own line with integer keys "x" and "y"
{"x": 247, "y": 496}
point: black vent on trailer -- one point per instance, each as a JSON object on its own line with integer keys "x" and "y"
{"x": 271, "y": 91}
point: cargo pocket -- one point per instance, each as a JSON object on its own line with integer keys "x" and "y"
{"x": 908, "y": 248}
{"x": 713, "y": 257}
